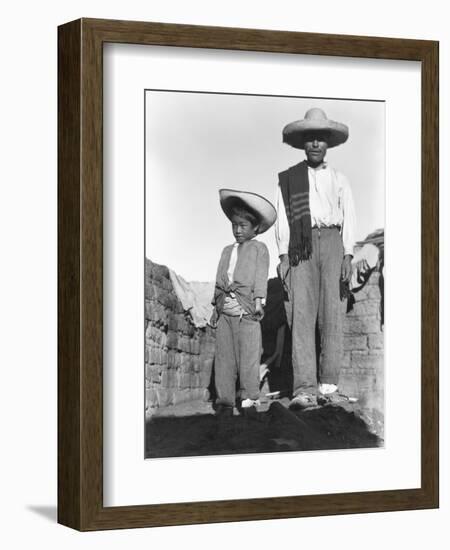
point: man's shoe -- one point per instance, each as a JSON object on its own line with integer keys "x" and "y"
{"x": 248, "y": 408}
{"x": 335, "y": 398}
{"x": 247, "y": 403}
{"x": 303, "y": 400}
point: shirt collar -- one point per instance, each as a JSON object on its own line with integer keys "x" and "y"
{"x": 323, "y": 166}
{"x": 237, "y": 244}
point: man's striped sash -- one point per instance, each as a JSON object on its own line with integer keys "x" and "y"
{"x": 294, "y": 184}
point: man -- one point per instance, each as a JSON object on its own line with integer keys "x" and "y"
{"x": 315, "y": 231}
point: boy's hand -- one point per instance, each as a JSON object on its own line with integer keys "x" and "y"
{"x": 259, "y": 310}
{"x": 214, "y": 318}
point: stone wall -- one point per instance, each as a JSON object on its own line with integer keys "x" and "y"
{"x": 178, "y": 355}
{"x": 362, "y": 373}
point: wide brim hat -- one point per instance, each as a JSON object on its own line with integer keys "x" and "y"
{"x": 261, "y": 207}
{"x": 315, "y": 121}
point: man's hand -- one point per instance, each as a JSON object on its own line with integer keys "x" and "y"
{"x": 283, "y": 267}
{"x": 214, "y": 318}
{"x": 346, "y": 268}
{"x": 259, "y": 310}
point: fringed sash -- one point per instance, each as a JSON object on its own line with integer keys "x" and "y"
{"x": 294, "y": 184}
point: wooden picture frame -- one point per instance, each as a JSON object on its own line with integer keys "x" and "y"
{"x": 80, "y": 273}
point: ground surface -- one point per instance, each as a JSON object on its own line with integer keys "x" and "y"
{"x": 193, "y": 429}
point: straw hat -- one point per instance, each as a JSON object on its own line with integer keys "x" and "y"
{"x": 315, "y": 120}
{"x": 264, "y": 210}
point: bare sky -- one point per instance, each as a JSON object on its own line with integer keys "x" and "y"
{"x": 198, "y": 143}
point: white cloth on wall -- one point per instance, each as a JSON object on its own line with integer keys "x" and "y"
{"x": 195, "y": 297}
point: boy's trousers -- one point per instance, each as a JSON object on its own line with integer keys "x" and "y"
{"x": 313, "y": 291}
{"x": 238, "y": 353}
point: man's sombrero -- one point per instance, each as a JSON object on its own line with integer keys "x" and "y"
{"x": 315, "y": 121}
{"x": 261, "y": 207}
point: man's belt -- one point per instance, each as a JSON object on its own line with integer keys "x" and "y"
{"x": 334, "y": 226}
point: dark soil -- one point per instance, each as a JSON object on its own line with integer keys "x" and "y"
{"x": 194, "y": 430}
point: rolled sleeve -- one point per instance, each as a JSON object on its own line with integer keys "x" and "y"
{"x": 349, "y": 223}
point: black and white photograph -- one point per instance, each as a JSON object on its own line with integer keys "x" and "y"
{"x": 264, "y": 273}
{"x": 172, "y": 377}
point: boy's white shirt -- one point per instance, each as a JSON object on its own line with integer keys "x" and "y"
{"x": 233, "y": 261}
{"x": 230, "y": 271}
{"x": 232, "y": 306}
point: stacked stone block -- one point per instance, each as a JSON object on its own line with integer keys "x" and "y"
{"x": 362, "y": 373}
{"x": 178, "y": 355}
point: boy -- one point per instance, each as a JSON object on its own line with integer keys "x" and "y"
{"x": 240, "y": 293}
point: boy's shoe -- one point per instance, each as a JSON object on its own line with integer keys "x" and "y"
{"x": 224, "y": 410}
{"x": 303, "y": 400}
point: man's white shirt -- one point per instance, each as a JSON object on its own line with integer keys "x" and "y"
{"x": 330, "y": 203}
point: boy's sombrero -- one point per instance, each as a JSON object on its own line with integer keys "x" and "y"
{"x": 315, "y": 121}
{"x": 264, "y": 210}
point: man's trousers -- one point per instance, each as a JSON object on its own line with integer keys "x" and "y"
{"x": 314, "y": 310}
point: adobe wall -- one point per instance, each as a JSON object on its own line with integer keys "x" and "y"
{"x": 178, "y": 356}
{"x": 362, "y": 373}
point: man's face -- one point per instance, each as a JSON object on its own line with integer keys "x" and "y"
{"x": 316, "y": 146}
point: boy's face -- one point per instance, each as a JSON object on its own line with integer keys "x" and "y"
{"x": 243, "y": 230}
